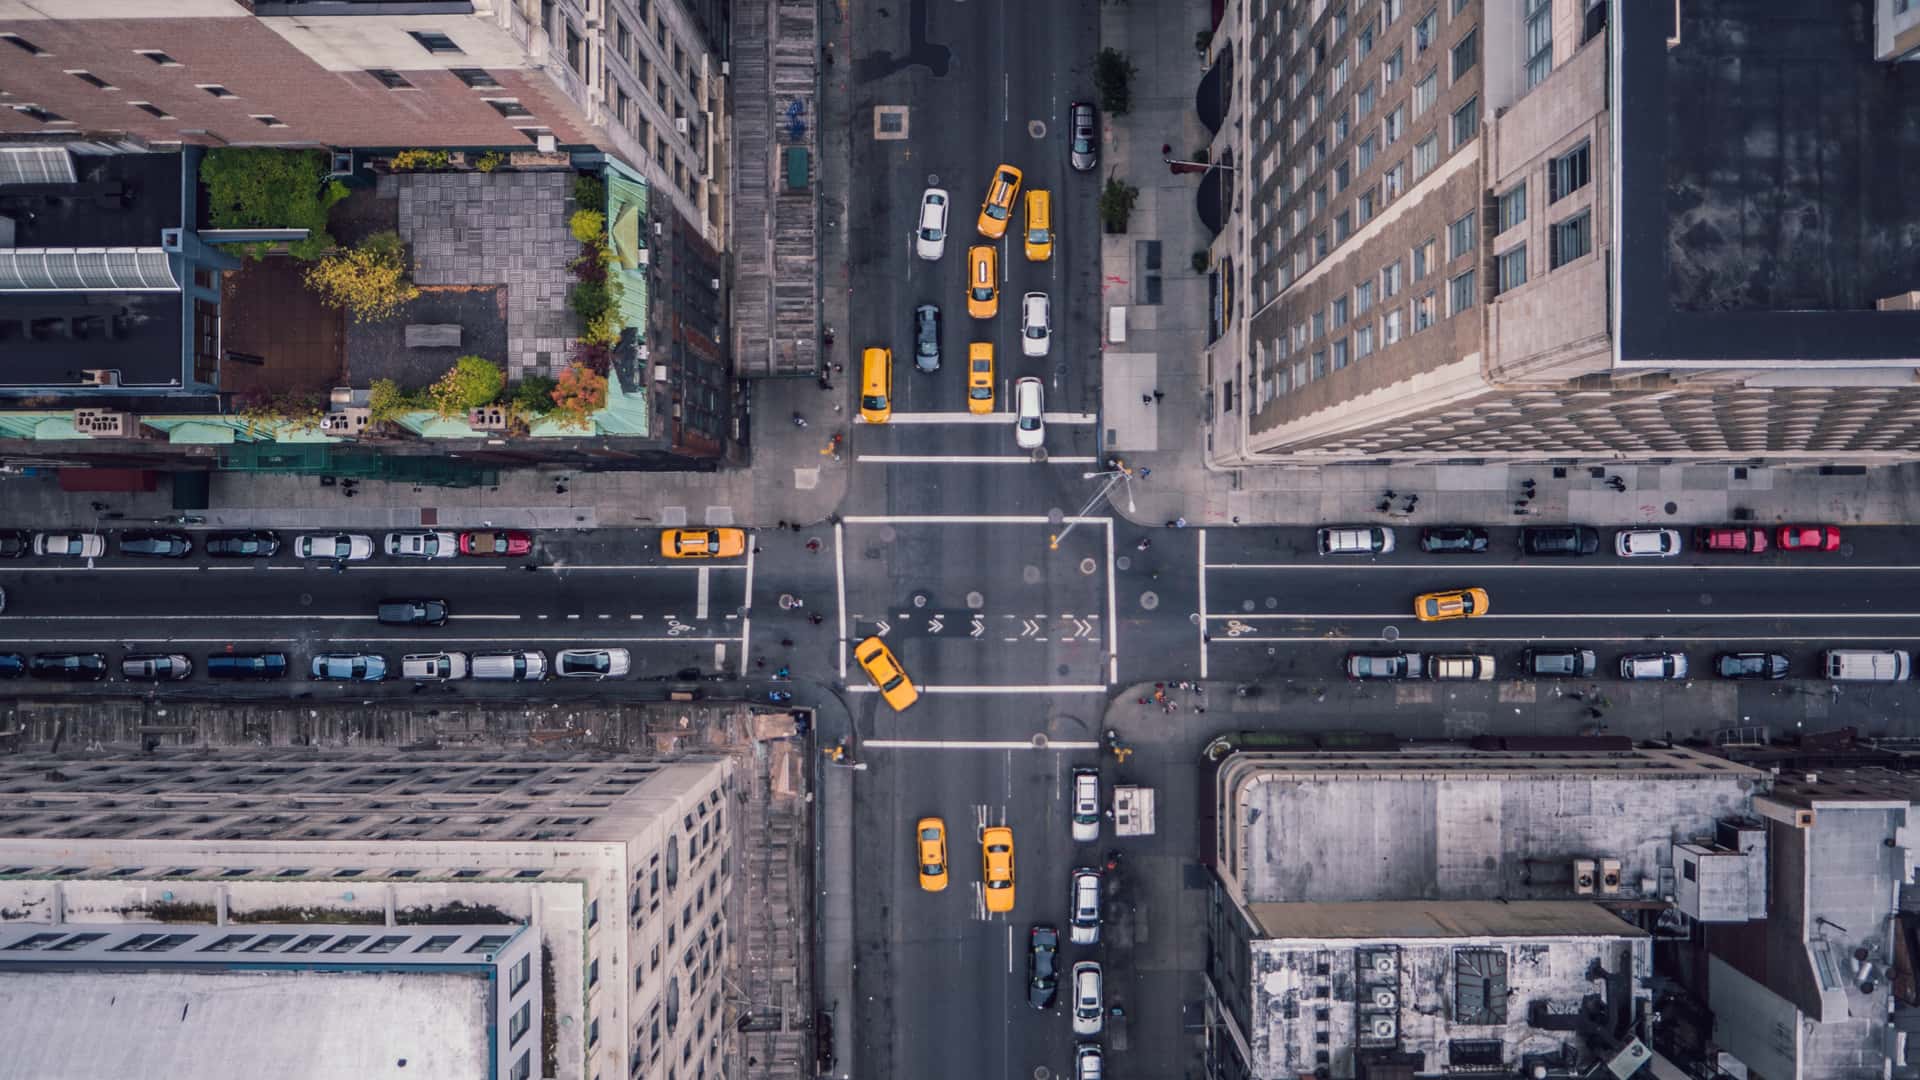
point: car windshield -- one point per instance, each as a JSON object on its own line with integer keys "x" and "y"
{"x": 1081, "y": 145}
{"x": 983, "y": 292}
{"x": 1037, "y": 236}
{"x": 874, "y": 401}
{"x": 593, "y": 661}
{"x": 931, "y": 232}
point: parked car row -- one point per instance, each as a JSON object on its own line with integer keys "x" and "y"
{"x": 1572, "y": 541}
{"x": 526, "y": 666}
{"x": 265, "y": 543}
{"x": 1575, "y": 662}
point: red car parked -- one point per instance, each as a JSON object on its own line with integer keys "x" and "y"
{"x": 504, "y": 542}
{"x": 1752, "y": 541}
{"x": 1809, "y": 537}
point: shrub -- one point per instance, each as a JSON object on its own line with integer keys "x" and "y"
{"x": 589, "y": 299}
{"x": 1112, "y": 74}
{"x": 1116, "y": 204}
{"x": 386, "y": 402}
{"x": 533, "y": 394}
{"x": 590, "y": 193}
{"x": 577, "y": 395}
{"x": 370, "y": 281}
{"x": 595, "y": 356}
{"x": 262, "y": 188}
{"x": 588, "y": 226}
{"x": 1202, "y": 39}
{"x": 407, "y": 160}
{"x": 589, "y": 265}
{"x": 604, "y": 329}
{"x": 490, "y": 161}
{"x": 471, "y": 382}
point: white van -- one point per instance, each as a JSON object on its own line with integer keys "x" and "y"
{"x": 1356, "y": 540}
{"x": 511, "y": 666}
{"x": 438, "y": 667}
{"x": 1868, "y": 665}
{"x": 1461, "y": 668}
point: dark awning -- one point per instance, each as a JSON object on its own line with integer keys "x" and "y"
{"x": 1216, "y": 195}
{"x": 1211, "y": 99}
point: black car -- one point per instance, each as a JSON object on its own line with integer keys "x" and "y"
{"x": 413, "y": 612}
{"x": 1043, "y": 966}
{"x": 1559, "y": 540}
{"x": 12, "y": 665}
{"x": 1084, "y": 152}
{"x": 1750, "y": 665}
{"x": 157, "y": 545}
{"x": 258, "y": 544}
{"x": 270, "y": 665}
{"x": 926, "y": 337}
{"x": 1560, "y": 663}
{"x": 15, "y": 543}
{"x": 1453, "y": 540}
{"x": 89, "y": 666}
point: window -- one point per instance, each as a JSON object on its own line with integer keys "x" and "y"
{"x": 1513, "y": 206}
{"x": 1342, "y": 126}
{"x": 433, "y": 41}
{"x": 522, "y": 1019}
{"x": 1424, "y": 30}
{"x": 1342, "y": 226}
{"x": 1460, "y": 236}
{"x": 1318, "y": 102}
{"x": 508, "y": 107}
{"x": 1363, "y": 100}
{"x": 1339, "y": 24}
{"x": 1425, "y": 93}
{"x": 622, "y": 41}
{"x": 1460, "y": 293}
{"x": 1319, "y": 151}
{"x": 158, "y": 57}
{"x": 1339, "y": 312}
{"x": 1394, "y": 126}
{"x": 1539, "y": 41}
{"x": 1339, "y": 354}
{"x": 1319, "y": 326}
{"x": 1569, "y": 172}
{"x": 1466, "y": 53}
{"x": 1342, "y": 176}
{"x": 522, "y": 971}
{"x": 1363, "y": 342}
{"x": 1466, "y": 122}
{"x": 1423, "y": 260}
{"x": 1362, "y": 298}
{"x": 216, "y": 90}
{"x": 45, "y": 116}
{"x": 390, "y": 79}
{"x": 1391, "y": 278}
{"x": 1394, "y": 181}
{"x": 1572, "y": 238}
{"x": 92, "y": 80}
{"x": 1426, "y": 154}
{"x": 23, "y": 45}
{"x": 1365, "y": 206}
{"x": 1423, "y": 311}
{"x": 1320, "y": 199}
{"x": 151, "y": 109}
{"x": 477, "y": 78}
{"x": 1510, "y": 269}
{"x": 1338, "y": 80}
{"x": 1320, "y": 245}
{"x": 1393, "y": 67}
{"x": 1390, "y": 327}
{"x": 1363, "y": 157}
{"x": 1320, "y": 363}
{"x": 1363, "y": 44}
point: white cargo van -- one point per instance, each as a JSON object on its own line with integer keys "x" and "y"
{"x": 1356, "y": 540}
{"x": 1869, "y": 665}
{"x": 517, "y": 666}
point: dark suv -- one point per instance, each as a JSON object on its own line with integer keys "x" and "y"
{"x": 413, "y": 612}
{"x": 1043, "y": 966}
{"x": 1453, "y": 540}
{"x": 157, "y": 545}
{"x": 88, "y": 666}
{"x": 1559, "y": 540}
{"x": 15, "y": 543}
{"x": 926, "y": 337}
{"x": 258, "y": 544}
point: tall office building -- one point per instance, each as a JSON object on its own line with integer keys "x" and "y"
{"x": 1462, "y": 230}
{"x": 351, "y": 915}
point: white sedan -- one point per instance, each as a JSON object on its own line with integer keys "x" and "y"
{"x": 1036, "y": 324}
{"x": 591, "y": 663}
{"x": 1647, "y": 543}
{"x": 1029, "y": 419}
{"x": 422, "y": 545}
{"x": 930, "y": 239}
{"x": 72, "y": 545}
{"x": 347, "y": 547}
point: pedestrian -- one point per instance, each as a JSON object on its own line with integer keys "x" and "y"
{"x": 1171, "y": 707}
{"x": 1595, "y": 713}
{"x": 1179, "y": 523}
{"x": 1146, "y": 399}
{"x": 781, "y": 525}
{"x": 99, "y": 507}
{"x": 1144, "y": 544}
{"x": 795, "y": 526}
{"x": 756, "y": 549}
{"x": 816, "y": 618}
{"x": 1199, "y": 708}
{"x": 813, "y": 544}
{"x": 1165, "y": 149}
{"x": 798, "y": 603}
{"x": 1576, "y": 695}
{"x": 1159, "y": 695}
{"x": 759, "y": 661}
{"x": 1157, "y": 395}
{"x": 1383, "y": 506}
{"x": 529, "y": 567}
{"x": 1390, "y": 494}
{"x": 786, "y": 643}
{"x": 829, "y": 48}
{"x": 1144, "y": 473}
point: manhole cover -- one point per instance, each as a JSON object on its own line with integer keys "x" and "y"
{"x": 1149, "y": 600}
{"x": 1088, "y": 566}
{"x": 976, "y": 601}
{"x": 1672, "y": 509}
{"x": 1246, "y": 605}
{"x": 919, "y": 599}
{"x": 1272, "y": 602}
{"x": 306, "y": 599}
{"x": 1037, "y": 129}
{"x": 1706, "y": 599}
{"x": 1122, "y": 563}
{"x": 933, "y": 179}
{"x": 1039, "y": 742}
{"x": 1030, "y": 575}
{"x": 1391, "y": 633}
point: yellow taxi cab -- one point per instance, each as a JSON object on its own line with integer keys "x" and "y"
{"x": 931, "y": 835}
{"x": 1454, "y": 604}
{"x": 983, "y": 281}
{"x": 876, "y": 385}
{"x": 996, "y": 867}
{"x": 998, "y": 207}
{"x": 887, "y": 674}
{"x": 980, "y": 377}
{"x": 1039, "y": 225}
{"x": 703, "y": 543}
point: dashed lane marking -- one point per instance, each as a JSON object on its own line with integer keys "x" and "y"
{"x": 975, "y": 744}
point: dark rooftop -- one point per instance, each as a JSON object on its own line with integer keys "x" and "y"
{"x": 49, "y": 338}
{"x": 1765, "y": 200}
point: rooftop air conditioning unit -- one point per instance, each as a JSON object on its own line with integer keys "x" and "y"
{"x": 659, "y": 373}
{"x": 487, "y": 418}
{"x": 1384, "y": 964}
{"x": 100, "y": 377}
{"x": 1382, "y": 1027}
{"x": 1610, "y": 877}
{"x": 1384, "y": 998}
{"x": 644, "y": 257}
{"x": 547, "y": 144}
{"x": 680, "y": 124}
{"x": 104, "y": 423}
{"x": 659, "y": 228}
{"x": 1584, "y": 873}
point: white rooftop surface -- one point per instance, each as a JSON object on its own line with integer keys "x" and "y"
{"x": 243, "y": 1025}
{"x": 1466, "y": 837}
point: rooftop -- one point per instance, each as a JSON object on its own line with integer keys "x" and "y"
{"x": 241, "y": 1025}
{"x": 117, "y": 201}
{"x": 1765, "y": 219}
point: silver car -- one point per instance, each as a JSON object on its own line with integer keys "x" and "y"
{"x": 1660, "y": 665}
{"x": 1029, "y": 414}
{"x": 1084, "y": 927}
{"x": 591, "y": 663}
{"x": 156, "y": 667}
{"x": 1084, "y": 144}
{"x": 422, "y": 545}
{"x": 930, "y": 239}
{"x": 1089, "y": 1005}
{"x": 71, "y": 545}
{"x": 1086, "y": 805}
{"x": 1036, "y": 324}
{"x": 347, "y": 547}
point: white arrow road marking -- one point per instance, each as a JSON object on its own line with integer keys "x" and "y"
{"x": 883, "y": 625}
{"x": 1028, "y": 628}
{"x": 979, "y": 626}
{"x": 970, "y": 744}
{"x": 935, "y": 624}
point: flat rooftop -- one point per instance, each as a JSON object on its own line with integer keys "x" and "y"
{"x": 246, "y": 1025}
{"x": 47, "y": 339}
{"x": 1764, "y": 219}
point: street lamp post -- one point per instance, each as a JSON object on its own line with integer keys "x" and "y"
{"x": 1120, "y": 471}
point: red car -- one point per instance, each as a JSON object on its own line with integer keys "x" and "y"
{"x": 506, "y": 542}
{"x": 1752, "y": 541}
{"x": 1809, "y": 537}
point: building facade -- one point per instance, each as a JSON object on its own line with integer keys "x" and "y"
{"x": 555, "y": 917}
{"x": 1452, "y": 235}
